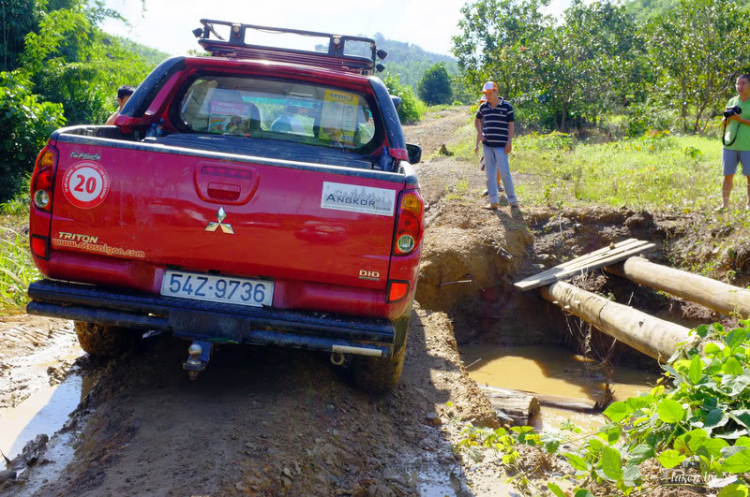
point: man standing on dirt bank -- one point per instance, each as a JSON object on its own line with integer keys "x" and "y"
{"x": 494, "y": 125}
{"x": 736, "y": 141}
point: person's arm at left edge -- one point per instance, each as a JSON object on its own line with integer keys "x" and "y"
{"x": 112, "y": 118}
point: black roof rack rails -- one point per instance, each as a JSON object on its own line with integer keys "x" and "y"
{"x": 334, "y": 59}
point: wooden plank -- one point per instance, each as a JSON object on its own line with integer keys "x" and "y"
{"x": 600, "y": 263}
{"x": 615, "y": 256}
{"x": 593, "y": 255}
{"x": 584, "y": 259}
{"x": 721, "y": 297}
{"x": 652, "y": 336}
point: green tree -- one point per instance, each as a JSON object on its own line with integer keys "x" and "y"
{"x": 435, "y": 86}
{"x": 17, "y": 19}
{"x": 411, "y": 107}
{"x": 25, "y": 125}
{"x": 495, "y": 40}
{"x": 589, "y": 63}
{"x": 697, "y": 49}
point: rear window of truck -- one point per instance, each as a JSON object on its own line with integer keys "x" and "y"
{"x": 279, "y": 110}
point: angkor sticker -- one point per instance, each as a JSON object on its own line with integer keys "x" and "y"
{"x": 86, "y": 184}
{"x": 353, "y": 198}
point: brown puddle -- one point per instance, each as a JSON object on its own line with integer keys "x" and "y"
{"x": 555, "y": 371}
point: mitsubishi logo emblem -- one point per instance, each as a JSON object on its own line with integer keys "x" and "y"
{"x": 220, "y": 216}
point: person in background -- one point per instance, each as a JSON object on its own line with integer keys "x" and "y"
{"x": 123, "y": 94}
{"x": 494, "y": 123}
{"x": 736, "y": 140}
{"x": 482, "y": 100}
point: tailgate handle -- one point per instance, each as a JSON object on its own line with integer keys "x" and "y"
{"x": 219, "y": 182}
{"x": 223, "y": 191}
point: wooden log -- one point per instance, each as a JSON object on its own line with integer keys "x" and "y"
{"x": 519, "y": 406}
{"x": 584, "y": 266}
{"x": 721, "y": 297}
{"x": 569, "y": 403}
{"x": 652, "y": 336}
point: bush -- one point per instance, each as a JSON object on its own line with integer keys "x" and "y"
{"x": 411, "y": 108}
{"x": 435, "y": 86}
{"x": 25, "y": 125}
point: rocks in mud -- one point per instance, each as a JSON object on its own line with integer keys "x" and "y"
{"x": 33, "y": 450}
{"x": 433, "y": 419}
{"x": 639, "y": 222}
{"x": 8, "y": 475}
{"x": 548, "y": 260}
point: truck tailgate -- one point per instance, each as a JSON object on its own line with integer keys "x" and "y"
{"x": 234, "y": 215}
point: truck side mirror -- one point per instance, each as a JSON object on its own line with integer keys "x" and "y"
{"x": 396, "y": 102}
{"x": 415, "y": 153}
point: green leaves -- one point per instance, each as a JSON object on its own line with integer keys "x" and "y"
{"x": 671, "y": 458}
{"x": 612, "y": 463}
{"x": 670, "y": 411}
{"x": 696, "y": 370}
{"x": 577, "y": 462}
{"x": 732, "y": 366}
{"x": 617, "y": 411}
{"x": 736, "y": 490}
{"x": 738, "y": 463}
{"x": 556, "y": 490}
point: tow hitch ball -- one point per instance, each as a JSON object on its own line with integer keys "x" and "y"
{"x": 199, "y": 354}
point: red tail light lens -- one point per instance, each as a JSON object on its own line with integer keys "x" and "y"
{"x": 409, "y": 227}
{"x": 40, "y": 246}
{"x": 41, "y": 180}
{"x": 397, "y": 290}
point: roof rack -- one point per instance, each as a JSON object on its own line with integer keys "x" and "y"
{"x": 334, "y": 59}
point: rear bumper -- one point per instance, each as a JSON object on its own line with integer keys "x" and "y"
{"x": 212, "y": 322}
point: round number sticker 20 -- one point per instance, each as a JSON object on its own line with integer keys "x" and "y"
{"x": 86, "y": 184}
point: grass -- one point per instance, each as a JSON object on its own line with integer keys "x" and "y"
{"x": 657, "y": 171}
{"x": 17, "y": 269}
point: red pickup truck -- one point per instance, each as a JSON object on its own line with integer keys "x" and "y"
{"x": 258, "y": 196}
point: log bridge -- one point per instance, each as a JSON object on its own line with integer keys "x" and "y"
{"x": 654, "y": 337}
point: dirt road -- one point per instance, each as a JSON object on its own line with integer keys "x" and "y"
{"x": 258, "y": 421}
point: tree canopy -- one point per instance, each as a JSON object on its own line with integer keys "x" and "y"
{"x": 58, "y": 67}
{"x": 435, "y": 86}
{"x": 602, "y": 58}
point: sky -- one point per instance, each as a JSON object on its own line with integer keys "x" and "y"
{"x": 167, "y": 25}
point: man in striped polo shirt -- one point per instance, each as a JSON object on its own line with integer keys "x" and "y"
{"x": 494, "y": 125}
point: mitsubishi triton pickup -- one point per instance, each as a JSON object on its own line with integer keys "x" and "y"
{"x": 256, "y": 195}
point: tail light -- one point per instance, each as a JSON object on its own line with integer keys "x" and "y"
{"x": 40, "y": 246}
{"x": 41, "y": 180}
{"x": 397, "y": 290}
{"x": 409, "y": 226}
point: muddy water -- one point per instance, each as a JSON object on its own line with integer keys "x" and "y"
{"x": 552, "y": 371}
{"x": 46, "y": 411}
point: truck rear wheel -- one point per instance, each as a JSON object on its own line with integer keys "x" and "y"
{"x": 101, "y": 340}
{"x": 376, "y": 375}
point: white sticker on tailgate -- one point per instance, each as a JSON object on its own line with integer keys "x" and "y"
{"x": 353, "y": 198}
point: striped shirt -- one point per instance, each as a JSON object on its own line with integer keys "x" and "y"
{"x": 495, "y": 122}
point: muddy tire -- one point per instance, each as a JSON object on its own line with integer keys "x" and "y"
{"x": 101, "y": 340}
{"x": 378, "y": 376}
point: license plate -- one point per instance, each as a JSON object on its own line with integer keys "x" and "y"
{"x": 242, "y": 291}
